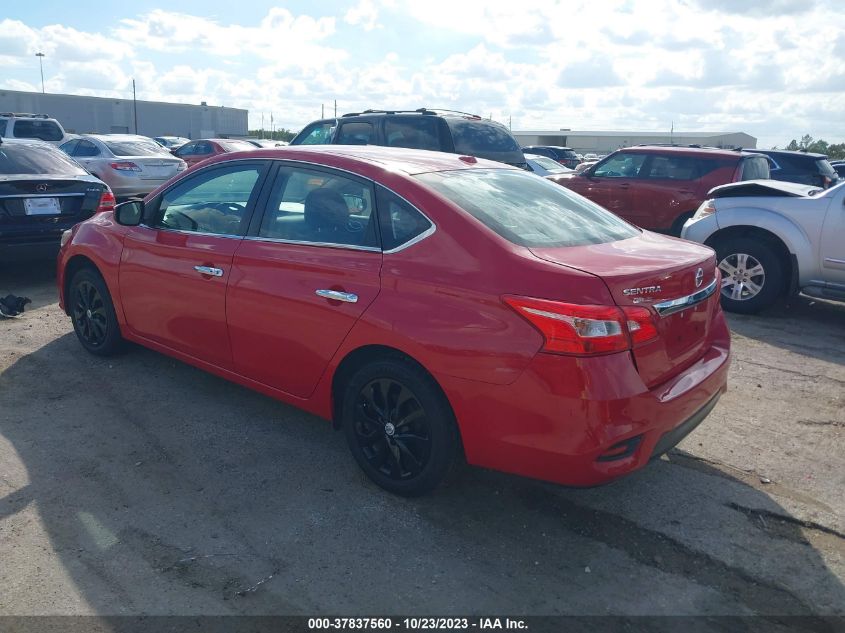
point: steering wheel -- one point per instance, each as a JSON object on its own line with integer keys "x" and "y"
{"x": 231, "y": 208}
{"x": 193, "y": 224}
{"x": 354, "y": 226}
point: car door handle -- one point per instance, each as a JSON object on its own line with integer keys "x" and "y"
{"x": 624, "y": 185}
{"x": 336, "y": 295}
{"x": 208, "y": 270}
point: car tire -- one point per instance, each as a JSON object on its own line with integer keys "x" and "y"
{"x": 399, "y": 426}
{"x": 752, "y": 274}
{"x": 92, "y": 313}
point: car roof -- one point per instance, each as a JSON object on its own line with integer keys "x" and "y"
{"x": 5, "y": 140}
{"x": 409, "y": 161}
{"x": 787, "y": 152}
{"x": 684, "y": 150}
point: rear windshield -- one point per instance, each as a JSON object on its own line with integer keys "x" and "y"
{"x": 472, "y": 136}
{"x": 548, "y": 163}
{"x": 236, "y": 146}
{"x": 528, "y": 210}
{"x": 135, "y": 148}
{"x": 36, "y": 159}
{"x": 38, "y": 128}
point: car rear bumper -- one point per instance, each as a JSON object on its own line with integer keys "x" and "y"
{"x": 585, "y": 421}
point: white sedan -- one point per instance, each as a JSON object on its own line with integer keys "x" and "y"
{"x": 772, "y": 238}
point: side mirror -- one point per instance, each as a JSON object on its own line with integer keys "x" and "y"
{"x": 129, "y": 213}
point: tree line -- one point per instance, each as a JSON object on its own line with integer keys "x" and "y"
{"x": 276, "y": 135}
{"x": 809, "y": 144}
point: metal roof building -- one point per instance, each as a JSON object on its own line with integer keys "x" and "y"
{"x": 103, "y": 115}
{"x": 604, "y": 142}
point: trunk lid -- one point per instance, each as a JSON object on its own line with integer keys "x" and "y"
{"x": 647, "y": 271}
{"x": 37, "y": 205}
{"x": 155, "y": 167}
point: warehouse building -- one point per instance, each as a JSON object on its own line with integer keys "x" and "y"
{"x": 585, "y": 142}
{"x": 102, "y": 115}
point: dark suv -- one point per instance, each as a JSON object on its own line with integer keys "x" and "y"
{"x": 566, "y": 156}
{"x": 804, "y": 167}
{"x": 438, "y": 130}
{"x": 660, "y": 187}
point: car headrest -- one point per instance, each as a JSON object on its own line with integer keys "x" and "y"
{"x": 325, "y": 210}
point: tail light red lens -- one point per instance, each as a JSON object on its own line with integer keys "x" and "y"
{"x": 107, "y": 201}
{"x": 125, "y": 166}
{"x": 570, "y": 328}
{"x": 640, "y": 322}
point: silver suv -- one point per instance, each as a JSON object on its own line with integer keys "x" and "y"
{"x": 772, "y": 238}
{"x": 37, "y": 126}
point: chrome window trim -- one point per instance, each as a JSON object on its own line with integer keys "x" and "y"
{"x": 279, "y": 240}
{"x": 665, "y": 308}
{"x": 186, "y": 232}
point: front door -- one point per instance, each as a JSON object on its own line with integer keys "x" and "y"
{"x": 833, "y": 241}
{"x": 175, "y": 267}
{"x": 614, "y": 182}
{"x": 304, "y": 278}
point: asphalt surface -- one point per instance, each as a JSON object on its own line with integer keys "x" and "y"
{"x": 140, "y": 485}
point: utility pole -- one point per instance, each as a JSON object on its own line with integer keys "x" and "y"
{"x": 135, "y": 105}
{"x": 262, "y": 125}
{"x": 40, "y": 57}
{"x": 322, "y": 111}
{"x": 335, "y": 108}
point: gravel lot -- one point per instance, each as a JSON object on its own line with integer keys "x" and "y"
{"x": 141, "y": 485}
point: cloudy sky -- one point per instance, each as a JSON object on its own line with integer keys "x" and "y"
{"x": 772, "y": 68}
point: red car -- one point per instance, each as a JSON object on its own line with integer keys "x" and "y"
{"x": 427, "y": 303}
{"x": 658, "y": 187}
{"x": 195, "y": 151}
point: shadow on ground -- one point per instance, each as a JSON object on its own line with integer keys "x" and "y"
{"x": 165, "y": 490}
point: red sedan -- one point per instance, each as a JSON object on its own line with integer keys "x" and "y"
{"x": 194, "y": 152}
{"x": 430, "y": 305}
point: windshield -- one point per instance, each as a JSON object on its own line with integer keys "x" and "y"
{"x": 135, "y": 148}
{"x": 29, "y": 158}
{"x": 528, "y": 210}
{"x": 547, "y": 163}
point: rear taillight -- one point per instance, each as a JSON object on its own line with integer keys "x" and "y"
{"x": 107, "y": 201}
{"x": 570, "y": 328}
{"x": 125, "y": 166}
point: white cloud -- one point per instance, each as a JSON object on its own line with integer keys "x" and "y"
{"x": 363, "y": 14}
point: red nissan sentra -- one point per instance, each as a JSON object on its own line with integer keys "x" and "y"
{"x": 429, "y": 304}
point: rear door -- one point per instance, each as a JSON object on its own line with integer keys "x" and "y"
{"x": 833, "y": 241}
{"x": 175, "y": 267}
{"x": 666, "y": 190}
{"x": 303, "y": 277}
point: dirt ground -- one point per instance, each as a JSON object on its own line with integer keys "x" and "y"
{"x": 139, "y": 485}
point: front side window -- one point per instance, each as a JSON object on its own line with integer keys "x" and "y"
{"x": 527, "y": 210}
{"x": 399, "y": 221}
{"x": 355, "y": 133}
{"x": 320, "y": 207}
{"x": 315, "y": 134}
{"x": 38, "y": 128}
{"x": 623, "y": 165}
{"x": 203, "y": 149}
{"x": 214, "y": 201}
{"x": 186, "y": 150}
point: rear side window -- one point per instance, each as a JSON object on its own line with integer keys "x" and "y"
{"x": 756, "y": 168}
{"x": 38, "y": 128}
{"x": 86, "y": 149}
{"x": 31, "y": 159}
{"x": 472, "y": 136}
{"x": 358, "y": 133}
{"x": 527, "y": 210}
{"x": 421, "y": 132}
{"x": 399, "y": 221}
{"x": 673, "y": 168}
{"x": 825, "y": 168}
{"x": 319, "y": 207}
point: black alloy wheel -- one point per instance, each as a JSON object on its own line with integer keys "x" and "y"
{"x": 399, "y": 426}
{"x": 92, "y": 312}
{"x": 392, "y": 429}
